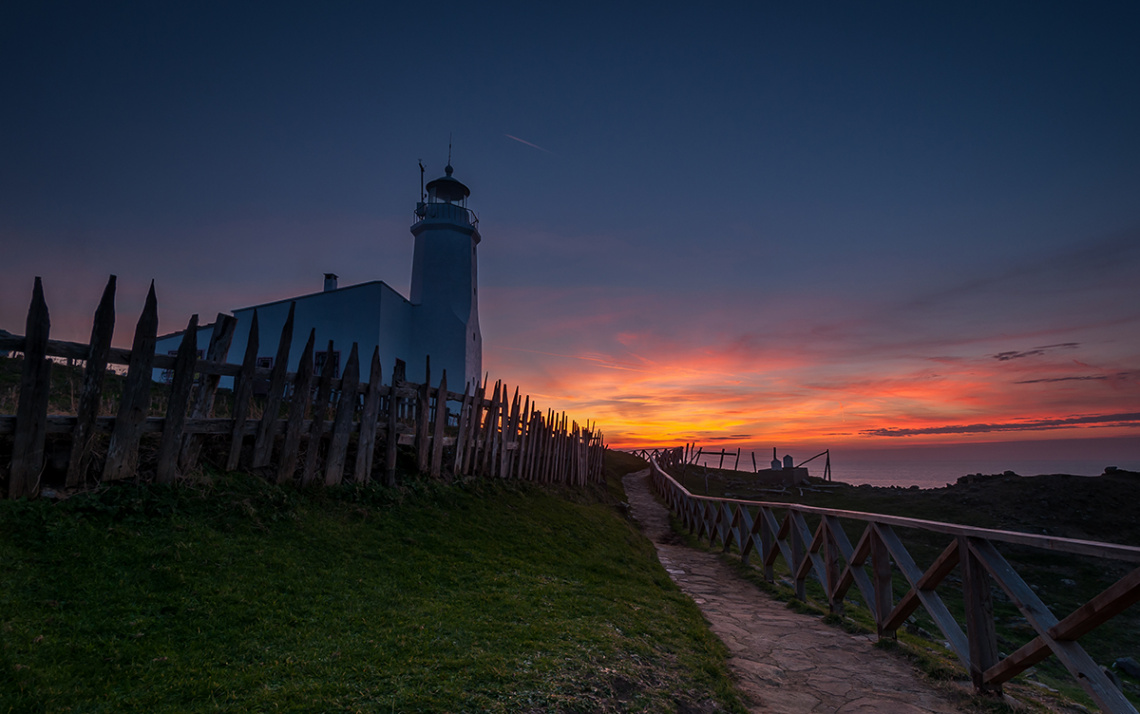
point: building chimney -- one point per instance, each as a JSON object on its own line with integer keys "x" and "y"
{"x": 330, "y": 282}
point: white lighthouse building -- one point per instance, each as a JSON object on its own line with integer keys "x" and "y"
{"x": 439, "y": 319}
{"x": 445, "y": 286}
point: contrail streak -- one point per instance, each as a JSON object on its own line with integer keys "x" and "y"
{"x": 524, "y": 141}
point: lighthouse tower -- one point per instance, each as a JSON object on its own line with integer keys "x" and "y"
{"x": 445, "y": 293}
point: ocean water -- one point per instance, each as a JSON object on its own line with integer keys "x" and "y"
{"x": 936, "y": 473}
{"x": 936, "y": 467}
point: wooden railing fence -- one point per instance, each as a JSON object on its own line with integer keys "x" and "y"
{"x": 772, "y": 531}
{"x": 303, "y": 430}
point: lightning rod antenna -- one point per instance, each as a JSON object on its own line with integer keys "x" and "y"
{"x": 422, "y": 194}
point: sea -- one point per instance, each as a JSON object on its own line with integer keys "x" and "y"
{"x": 936, "y": 473}
{"x": 937, "y": 466}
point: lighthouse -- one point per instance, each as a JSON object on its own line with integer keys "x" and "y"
{"x": 445, "y": 291}
{"x": 440, "y": 319}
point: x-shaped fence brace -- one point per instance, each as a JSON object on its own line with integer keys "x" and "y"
{"x": 755, "y": 528}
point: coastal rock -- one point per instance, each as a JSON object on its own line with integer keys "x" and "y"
{"x": 1128, "y": 665}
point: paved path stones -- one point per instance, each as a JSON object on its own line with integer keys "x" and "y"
{"x": 785, "y": 662}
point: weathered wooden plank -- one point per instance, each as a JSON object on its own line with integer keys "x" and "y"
{"x": 554, "y": 474}
{"x": 855, "y": 557}
{"x": 116, "y": 355}
{"x": 366, "y": 440}
{"x": 979, "y": 617}
{"x": 883, "y": 601}
{"x": 541, "y": 443}
{"x": 938, "y": 570}
{"x": 1108, "y": 604}
{"x": 746, "y": 529}
{"x": 499, "y": 435}
{"x": 491, "y": 431}
{"x": 31, "y": 411}
{"x": 523, "y": 455}
{"x": 1090, "y": 676}
{"x": 342, "y": 422}
{"x": 423, "y": 435}
{"x": 243, "y": 392}
{"x": 392, "y": 439}
{"x": 1022, "y": 659}
{"x": 471, "y": 455}
{"x": 510, "y": 426}
{"x": 563, "y": 448}
{"x": 263, "y": 444}
{"x": 440, "y": 421}
{"x": 461, "y": 434}
{"x": 170, "y": 444}
{"x": 548, "y": 447}
{"x": 537, "y": 439}
{"x": 535, "y": 447}
{"x": 123, "y": 451}
{"x": 63, "y": 424}
{"x": 94, "y": 375}
{"x": 218, "y": 349}
{"x": 818, "y": 566}
{"x": 551, "y": 446}
{"x": 298, "y": 408}
{"x": 1114, "y": 600}
{"x": 929, "y": 599}
{"x": 320, "y": 413}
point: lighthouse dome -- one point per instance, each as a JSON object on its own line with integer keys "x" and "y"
{"x": 446, "y": 188}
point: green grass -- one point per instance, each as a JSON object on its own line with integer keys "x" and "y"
{"x": 240, "y": 596}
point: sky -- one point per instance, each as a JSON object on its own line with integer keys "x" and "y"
{"x": 858, "y": 225}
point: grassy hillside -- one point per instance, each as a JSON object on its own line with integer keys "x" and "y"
{"x": 237, "y": 595}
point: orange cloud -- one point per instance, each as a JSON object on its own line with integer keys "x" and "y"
{"x": 649, "y": 384}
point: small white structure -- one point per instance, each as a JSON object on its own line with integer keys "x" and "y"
{"x": 439, "y": 319}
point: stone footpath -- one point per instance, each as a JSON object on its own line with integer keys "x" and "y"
{"x": 784, "y": 661}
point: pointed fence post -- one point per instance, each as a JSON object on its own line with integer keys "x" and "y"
{"x": 510, "y": 427}
{"x": 219, "y": 348}
{"x": 526, "y": 439}
{"x": 366, "y": 442}
{"x": 342, "y": 423}
{"x": 243, "y": 392}
{"x": 436, "y": 468}
{"x": 31, "y": 412}
{"x": 423, "y": 451}
{"x": 123, "y": 451}
{"x": 302, "y": 386}
{"x": 83, "y": 437}
{"x": 320, "y": 411}
{"x": 183, "y": 381}
{"x": 491, "y": 431}
{"x": 461, "y": 434}
{"x": 263, "y": 446}
{"x": 471, "y": 455}
{"x": 393, "y": 423}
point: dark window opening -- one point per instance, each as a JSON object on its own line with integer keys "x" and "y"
{"x": 320, "y": 358}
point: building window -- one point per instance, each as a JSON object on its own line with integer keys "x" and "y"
{"x": 265, "y": 363}
{"x": 320, "y": 358}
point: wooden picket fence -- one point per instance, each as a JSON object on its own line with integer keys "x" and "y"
{"x": 772, "y": 531}
{"x": 302, "y": 431}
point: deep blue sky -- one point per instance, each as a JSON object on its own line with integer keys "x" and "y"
{"x": 862, "y": 189}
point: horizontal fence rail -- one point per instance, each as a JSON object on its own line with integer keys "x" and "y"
{"x": 303, "y": 430}
{"x": 780, "y": 531}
